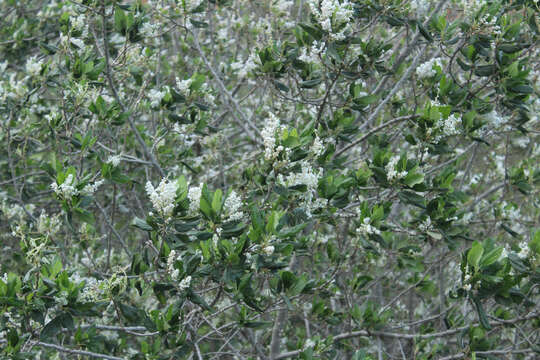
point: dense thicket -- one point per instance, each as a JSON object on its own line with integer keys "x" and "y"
{"x": 212, "y": 179}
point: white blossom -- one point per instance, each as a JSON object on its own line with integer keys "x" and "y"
{"x": 183, "y": 86}
{"x": 268, "y": 249}
{"x": 332, "y": 15}
{"x": 471, "y": 7}
{"x": 155, "y": 97}
{"x": 78, "y": 22}
{"x": 77, "y": 42}
{"x": 420, "y": 7}
{"x": 426, "y": 70}
{"x": 67, "y": 188}
{"x": 194, "y": 196}
{"x": 244, "y": 68}
{"x": 89, "y": 189}
{"x": 233, "y": 204}
{"x": 391, "y": 172}
{"x": 309, "y": 177}
{"x": 269, "y": 137}
{"x": 185, "y": 283}
{"x": 49, "y": 225}
{"x": 114, "y": 160}
{"x": 366, "y": 228}
{"x": 495, "y": 119}
{"x": 33, "y": 66}
{"x": 312, "y": 53}
{"x": 163, "y": 197}
{"x": 318, "y": 147}
{"x": 523, "y": 250}
{"x": 448, "y": 127}
{"x": 309, "y": 343}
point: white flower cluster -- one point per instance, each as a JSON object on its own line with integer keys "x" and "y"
{"x": 175, "y": 273}
{"x": 307, "y": 177}
{"x": 391, "y": 172}
{"x": 149, "y": 29}
{"x": 186, "y": 134}
{"x": 268, "y": 249}
{"x": 310, "y": 178}
{"x": 67, "y": 189}
{"x": 448, "y": 126}
{"x": 16, "y": 210}
{"x": 282, "y": 5}
{"x": 312, "y": 53}
{"x": 466, "y": 282}
{"x": 333, "y": 16}
{"x": 317, "y": 148}
{"x": 309, "y": 343}
{"x": 471, "y": 7}
{"x": 185, "y": 283}
{"x": 216, "y": 236}
{"x": 244, "y": 68}
{"x": 495, "y": 119}
{"x": 420, "y": 7}
{"x": 426, "y": 70}
{"x": 183, "y": 86}
{"x": 490, "y": 23}
{"x": 89, "y": 189}
{"x": 163, "y": 197}
{"x": 523, "y": 250}
{"x": 366, "y": 228}
{"x": 114, "y": 160}
{"x": 49, "y": 225}
{"x": 33, "y": 66}
{"x": 92, "y": 290}
{"x": 78, "y": 22}
{"x": 233, "y": 204}
{"x": 155, "y": 97}
{"x": 194, "y": 196}
{"x": 269, "y": 137}
{"x": 425, "y": 225}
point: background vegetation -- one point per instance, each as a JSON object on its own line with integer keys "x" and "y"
{"x": 210, "y": 179}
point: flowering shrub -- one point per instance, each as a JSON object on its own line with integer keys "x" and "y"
{"x": 210, "y": 179}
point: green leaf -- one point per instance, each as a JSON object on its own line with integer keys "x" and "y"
{"x": 491, "y": 256}
{"x": 485, "y": 70}
{"x": 119, "y": 20}
{"x": 281, "y": 86}
{"x": 292, "y": 231}
{"x": 257, "y": 324}
{"x": 204, "y": 204}
{"x": 481, "y": 314}
{"x": 217, "y": 201}
{"x": 411, "y": 197}
{"x": 13, "y": 338}
{"x": 510, "y": 48}
{"x": 308, "y": 84}
{"x": 413, "y": 178}
{"x": 475, "y": 254}
{"x": 141, "y": 224}
{"x": 196, "y": 299}
{"x": 53, "y": 327}
{"x": 424, "y": 32}
{"x": 522, "y": 89}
